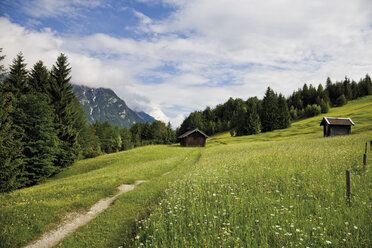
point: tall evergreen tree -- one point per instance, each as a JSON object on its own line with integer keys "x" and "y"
{"x": 136, "y": 133}
{"x": 62, "y": 99}
{"x": 39, "y": 140}
{"x": 269, "y": 111}
{"x": 253, "y": 122}
{"x": 10, "y": 145}
{"x": 347, "y": 89}
{"x": 16, "y": 82}
{"x": 320, "y": 91}
{"x": 283, "y": 120}
{"x": 12, "y": 89}
{"x": 39, "y": 79}
{"x": 239, "y": 118}
{"x": 126, "y": 137}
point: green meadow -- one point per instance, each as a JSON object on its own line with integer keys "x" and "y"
{"x": 27, "y": 213}
{"x": 282, "y": 188}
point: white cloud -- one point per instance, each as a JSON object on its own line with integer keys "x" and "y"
{"x": 207, "y": 51}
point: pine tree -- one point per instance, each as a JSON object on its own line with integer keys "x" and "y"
{"x": 320, "y": 91}
{"x": 39, "y": 140}
{"x": 126, "y": 137}
{"x": 10, "y": 146}
{"x": 283, "y": 120}
{"x": 253, "y": 122}
{"x": 239, "y": 118}
{"x": 39, "y": 80}
{"x": 62, "y": 99}
{"x": 269, "y": 111}
{"x": 354, "y": 89}
{"x": 16, "y": 82}
{"x": 347, "y": 89}
{"x": 13, "y": 87}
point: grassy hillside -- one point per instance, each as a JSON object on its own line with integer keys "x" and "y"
{"x": 268, "y": 194}
{"x": 27, "y": 213}
{"x": 360, "y": 111}
{"x": 283, "y": 188}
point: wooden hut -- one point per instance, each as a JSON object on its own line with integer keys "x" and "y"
{"x": 336, "y": 126}
{"x": 193, "y": 138}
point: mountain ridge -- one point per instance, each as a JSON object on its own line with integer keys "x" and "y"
{"x": 102, "y": 104}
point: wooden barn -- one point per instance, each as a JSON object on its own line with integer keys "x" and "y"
{"x": 336, "y": 126}
{"x": 194, "y": 138}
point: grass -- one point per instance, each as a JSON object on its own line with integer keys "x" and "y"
{"x": 289, "y": 191}
{"x": 283, "y": 188}
{"x": 358, "y": 110}
{"x": 27, "y": 213}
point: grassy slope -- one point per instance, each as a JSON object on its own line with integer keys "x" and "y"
{"x": 27, "y": 213}
{"x": 289, "y": 191}
{"x": 359, "y": 111}
{"x": 251, "y": 160}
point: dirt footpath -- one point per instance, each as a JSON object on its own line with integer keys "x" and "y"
{"x": 74, "y": 221}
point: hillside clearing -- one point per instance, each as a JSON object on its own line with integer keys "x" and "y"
{"x": 283, "y": 188}
{"x": 29, "y": 213}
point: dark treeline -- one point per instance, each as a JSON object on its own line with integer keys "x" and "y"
{"x": 310, "y": 101}
{"x": 113, "y": 139}
{"x": 43, "y": 127}
{"x": 275, "y": 111}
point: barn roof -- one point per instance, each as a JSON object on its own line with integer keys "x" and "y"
{"x": 336, "y": 121}
{"x": 193, "y": 131}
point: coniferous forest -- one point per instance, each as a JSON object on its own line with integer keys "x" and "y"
{"x": 275, "y": 111}
{"x": 43, "y": 127}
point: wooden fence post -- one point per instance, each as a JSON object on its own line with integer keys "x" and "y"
{"x": 348, "y": 190}
{"x": 365, "y": 150}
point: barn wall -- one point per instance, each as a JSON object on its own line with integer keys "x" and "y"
{"x": 195, "y": 140}
{"x": 339, "y": 130}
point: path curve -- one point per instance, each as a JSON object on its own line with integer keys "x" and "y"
{"x": 74, "y": 221}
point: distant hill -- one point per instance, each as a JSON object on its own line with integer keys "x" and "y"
{"x": 103, "y": 104}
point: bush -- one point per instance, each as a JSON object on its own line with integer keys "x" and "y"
{"x": 341, "y": 100}
{"x": 312, "y": 110}
{"x": 324, "y": 106}
{"x": 293, "y": 113}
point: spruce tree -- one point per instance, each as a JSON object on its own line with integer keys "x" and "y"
{"x": 39, "y": 140}
{"x": 239, "y": 118}
{"x": 62, "y": 99}
{"x": 126, "y": 137}
{"x": 13, "y": 87}
{"x": 39, "y": 80}
{"x": 269, "y": 111}
{"x": 284, "y": 117}
{"x": 16, "y": 82}
{"x": 253, "y": 122}
{"x": 10, "y": 145}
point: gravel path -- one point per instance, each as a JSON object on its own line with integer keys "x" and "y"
{"x": 74, "y": 221}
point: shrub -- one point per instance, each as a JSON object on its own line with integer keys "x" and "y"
{"x": 312, "y": 110}
{"x": 341, "y": 100}
{"x": 324, "y": 106}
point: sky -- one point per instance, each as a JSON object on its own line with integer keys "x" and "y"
{"x": 171, "y": 57}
